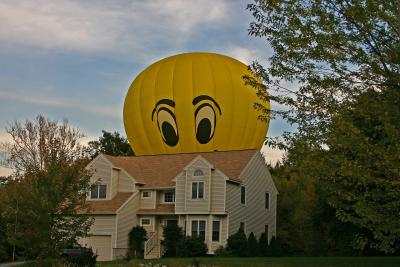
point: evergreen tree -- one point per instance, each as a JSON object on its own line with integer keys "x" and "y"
{"x": 252, "y": 245}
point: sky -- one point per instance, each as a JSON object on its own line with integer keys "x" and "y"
{"x": 76, "y": 59}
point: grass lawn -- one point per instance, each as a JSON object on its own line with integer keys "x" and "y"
{"x": 268, "y": 262}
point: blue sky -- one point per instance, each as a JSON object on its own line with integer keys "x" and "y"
{"x": 76, "y": 59}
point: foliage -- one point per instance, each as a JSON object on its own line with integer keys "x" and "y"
{"x": 221, "y": 251}
{"x": 87, "y": 259}
{"x": 137, "y": 237}
{"x": 191, "y": 247}
{"x": 43, "y": 201}
{"x": 110, "y": 144}
{"x": 252, "y": 245}
{"x": 172, "y": 234}
{"x": 237, "y": 244}
{"x": 335, "y": 72}
{"x": 263, "y": 245}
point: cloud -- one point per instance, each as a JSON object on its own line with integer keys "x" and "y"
{"x": 272, "y": 156}
{"x": 106, "y": 26}
{"x": 243, "y": 54}
{"x": 113, "y": 112}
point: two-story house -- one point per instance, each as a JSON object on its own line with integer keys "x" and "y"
{"x": 207, "y": 194}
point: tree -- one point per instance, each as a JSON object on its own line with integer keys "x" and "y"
{"x": 172, "y": 234}
{"x": 191, "y": 246}
{"x": 263, "y": 245}
{"x": 252, "y": 245}
{"x": 237, "y": 244}
{"x": 44, "y": 199}
{"x": 111, "y": 144}
{"x": 137, "y": 237}
{"x": 336, "y": 55}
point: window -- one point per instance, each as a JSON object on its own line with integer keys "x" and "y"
{"x": 215, "y": 230}
{"x": 98, "y": 191}
{"x": 267, "y": 201}
{"x": 199, "y": 229}
{"x": 169, "y": 196}
{"x": 197, "y": 190}
{"x": 241, "y": 227}
{"x": 146, "y": 194}
{"x": 267, "y": 232}
{"x": 172, "y": 222}
{"x": 243, "y": 195}
{"x": 145, "y": 221}
{"x": 198, "y": 173}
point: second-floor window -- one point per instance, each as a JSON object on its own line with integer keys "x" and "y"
{"x": 199, "y": 229}
{"x": 197, "y": 190}
{"x": 267, "y": 201}
{"x": 169, "y": 197}
{"x": 243, "y": 195}
{"x": 98, "y": 191}
{"x": 145, "y": 221}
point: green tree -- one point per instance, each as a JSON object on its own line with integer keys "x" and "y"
{"x": 110, "y": 144}
{"x": 263, "y": 245}
{"x": 137, "y": 237}
{"x": 43, "y": 200}
{"x": 237, "y": 244}
{"x": 334, "y": 55}
{"x": 191, "y": 246}
{"x": 252, "y": 245}
{"x": 172, "y": 234}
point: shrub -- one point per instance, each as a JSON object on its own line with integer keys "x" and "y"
{"x": 222, "y": 252}
{"x": 237, "y": 244}
{"x": 172, "y": 236}
{"x": 275, "y": 247}
{"x": 191, "y": 247}
{"x": 86, "y": 258}
{"x": 252, "y": 245}
{"x": 137, "y": 237}
{"x": 263, "y": 247}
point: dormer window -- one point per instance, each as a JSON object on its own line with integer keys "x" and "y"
{"x": 98, "y": 191}
{"x": 198, "y": 173}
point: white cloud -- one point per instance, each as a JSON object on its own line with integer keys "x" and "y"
{"x": 113, "y": 112}
{"x": 243, "y": 54}
{"x": 109, "y": 26}
{"x": 272, "y": 156}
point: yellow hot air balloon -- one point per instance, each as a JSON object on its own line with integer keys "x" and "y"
{"x": 193, "y": 102}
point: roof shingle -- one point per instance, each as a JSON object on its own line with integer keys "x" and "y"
{"x": 160, "y": 170}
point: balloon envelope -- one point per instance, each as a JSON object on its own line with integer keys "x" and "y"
{"x": 193, "y": 102}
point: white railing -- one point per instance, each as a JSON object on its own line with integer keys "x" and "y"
{"x": 150, "y": 243}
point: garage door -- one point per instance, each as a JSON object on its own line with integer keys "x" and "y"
{"x": 101, "y": 244}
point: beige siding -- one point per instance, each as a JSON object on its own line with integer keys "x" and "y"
{"x": 148, "y": 203}
{"x": 115, "y": 173}
{"x": 125, "y": 184}
{"x": 257, "y": 180}
{"x": 180, "y": 192}
{"x": 217, "y": 191}
{"x": 184, "y": 201}
{"x": 103, "y": 224}
{"x": 126, "y": 219}
{"x": 101, "y": 173}
{"x": 149, "y": 228}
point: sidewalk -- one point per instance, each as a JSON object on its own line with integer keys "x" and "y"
{"x": 9, "y": 264}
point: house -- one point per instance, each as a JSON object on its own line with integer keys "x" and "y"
{"x": 209, "y": 194}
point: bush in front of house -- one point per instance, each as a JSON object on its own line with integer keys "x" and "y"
{"x": 221, "y": 251}
{"x": 191, "y": 247}
{"x": 252, "y": 245}
{"x": 263, "y": 247}
{"x": 85, "y": 258}
{"x": 172, "y": 234}
{"x": 137, "y": 237}
{"x": 275, "y": 247}
{"x": 237, "y": 244}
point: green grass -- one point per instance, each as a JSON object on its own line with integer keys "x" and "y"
{"x": 268, "y": 262}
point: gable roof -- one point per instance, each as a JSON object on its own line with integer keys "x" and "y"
{"x": 109, "y": 206}
{"x": 160, "y": 170}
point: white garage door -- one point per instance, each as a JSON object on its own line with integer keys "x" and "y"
{"x": 101, "y": 244}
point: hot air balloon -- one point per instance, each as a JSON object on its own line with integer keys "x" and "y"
{"x": 193, "y": 102}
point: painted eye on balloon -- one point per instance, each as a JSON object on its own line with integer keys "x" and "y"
{"x": 205, "y": 123}
{"x": 205, "y": 118}
{"x": 167, "y": 126}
